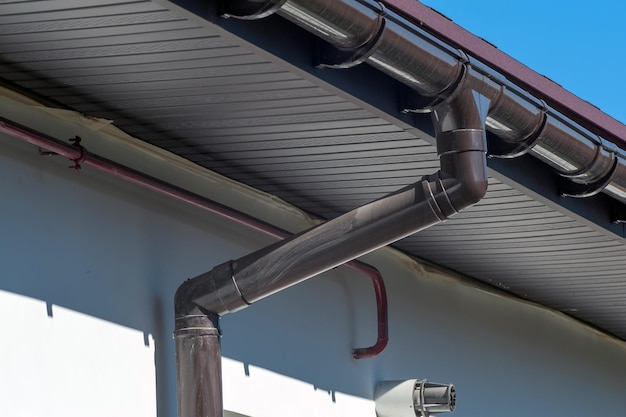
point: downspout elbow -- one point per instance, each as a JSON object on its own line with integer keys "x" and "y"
{"x": 463, "y": 173}
{"x": 462, "y": 149}
{"x": 469, "y": 193}
{"x": 213, "y": 293}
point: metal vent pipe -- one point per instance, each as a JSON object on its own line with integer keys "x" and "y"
{"x": 364, "y": 31}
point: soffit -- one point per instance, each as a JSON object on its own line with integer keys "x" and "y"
{"x": 179, "y": 84}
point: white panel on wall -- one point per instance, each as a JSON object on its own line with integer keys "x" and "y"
{"x": 57, "y": 362}
{"x": 259, "y": 392}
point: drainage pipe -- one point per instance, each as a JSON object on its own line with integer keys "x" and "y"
{"x": 232, "y": 286}
{"x": 359, "y": 31}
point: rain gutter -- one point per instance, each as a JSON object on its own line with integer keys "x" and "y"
{"x": 365, "y": 31}
{"x": 540, "y": 86}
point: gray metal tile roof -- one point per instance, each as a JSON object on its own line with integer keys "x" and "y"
{"x": 180, "y": 84}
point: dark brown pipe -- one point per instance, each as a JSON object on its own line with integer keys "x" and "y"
{"x": 198, "y": 365}
{"x": 461, "y": 182}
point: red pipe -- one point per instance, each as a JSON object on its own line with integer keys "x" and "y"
{"x": 79, "y": 155}
{"x": 381, "y": 310}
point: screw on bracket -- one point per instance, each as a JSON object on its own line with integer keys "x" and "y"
{"x": 83, "y": 154}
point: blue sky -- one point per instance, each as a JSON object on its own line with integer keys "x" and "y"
{"x": 578, "y": 44}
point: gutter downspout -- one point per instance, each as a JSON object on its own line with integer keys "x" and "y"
{"x": 232, "y": 286}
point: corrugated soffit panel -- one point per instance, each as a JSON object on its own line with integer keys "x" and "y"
{"x": 176, "y": 84}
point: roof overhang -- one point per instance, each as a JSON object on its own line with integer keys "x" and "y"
{"x": 245, "y": 99}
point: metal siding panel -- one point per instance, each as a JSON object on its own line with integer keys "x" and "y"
{"x": 302, "y": 148}
{"x": 265, "y": 100}
{"x": 66, "y": 72}
{"x": 118, "y": 50}
{"x": 200, "y": 127}
{"x": 41, "y": 6}
{"x": 127, "y": 99}
{"x": 124, "y": 60}
{"x": 380, "y": 131}
{"x": 107, "y": 36}
{"x": 224, "y": 111}
{"x": 29, "y": 31}
{"x": 125, "y": 8}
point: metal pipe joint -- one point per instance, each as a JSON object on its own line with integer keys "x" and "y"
{"x": 215, "y": 291}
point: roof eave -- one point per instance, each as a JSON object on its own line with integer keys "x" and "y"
{"x": 556, "y": 96}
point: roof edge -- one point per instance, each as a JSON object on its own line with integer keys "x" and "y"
{"x": 542, "y": 87}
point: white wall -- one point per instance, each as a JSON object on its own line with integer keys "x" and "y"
{"x": 90, "y": 266}
{"x": 57, "y": 361}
